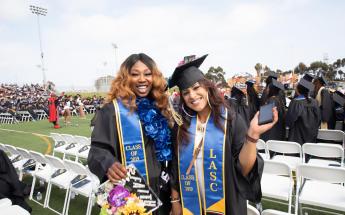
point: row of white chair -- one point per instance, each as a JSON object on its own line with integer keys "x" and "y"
{"x": 63, "y": 174}
{"x": 72, "y": 145}
{"x": 6, "y": 207}
{"x": 321, "y": 150}
{"x": 253, "y": 211}
{"x": 317, "y": 185}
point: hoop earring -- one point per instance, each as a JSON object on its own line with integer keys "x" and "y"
{"x": 187, "y": 112}
{"x": 208, "y": 102}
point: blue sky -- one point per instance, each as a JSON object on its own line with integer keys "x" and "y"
{"x": 78, "y": 35}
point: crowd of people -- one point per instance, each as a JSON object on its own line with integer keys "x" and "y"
{"x": 14, "y": 98}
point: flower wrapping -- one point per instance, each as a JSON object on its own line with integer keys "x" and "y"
{"x": 131, "y": 196}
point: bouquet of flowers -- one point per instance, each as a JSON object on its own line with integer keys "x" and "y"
{"x": 131, "y": 196}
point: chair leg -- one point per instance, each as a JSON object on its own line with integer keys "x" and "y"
{"x": 47, "y": 198}
{"x": 32, "y": 187}
{"x": 65, "y": 202}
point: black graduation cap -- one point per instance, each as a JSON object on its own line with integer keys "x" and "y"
{"x": 187, "y": 74}
{"x": 306, "y": 84}
{"x": 250, "y": 82}
{"x": 322, "y": 79}
{"x": 272, "y": 74}
{"x": 277, "y": 84}
{"x": 308, "y": 76}
{"x": 339, "y": 98}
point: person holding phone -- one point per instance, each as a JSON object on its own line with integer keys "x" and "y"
{"x": 216, "y": 166}
{"x": 133, "y": 128}
{"x": 277, "y": 132}
{"x": 303, "y": 117}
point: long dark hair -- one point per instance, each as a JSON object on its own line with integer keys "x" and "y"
{"x": 303, "y": 91}
{"x": 217, "y": 103}
{"x": 252, "y": 96}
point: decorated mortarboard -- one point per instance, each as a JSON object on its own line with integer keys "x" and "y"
{"x": 272, "y": 74}
{"x": 250, "y": 82}
{"x": 322, "y": 79}
{"x": 306, "y": 84}
{"x": 339, "y": 98}
{"x": 188, "y": 73}
{"x": 308, "y": 76}
{"x": 277, "y": 84}
{"x": 237, "y": 88}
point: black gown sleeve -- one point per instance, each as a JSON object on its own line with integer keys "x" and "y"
{"x": 248, "y": 186}
{"x": 326, "y": 106}
{"x": 104, "y": 139}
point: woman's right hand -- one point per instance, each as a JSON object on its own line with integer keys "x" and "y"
{"x": 116, "y": 172}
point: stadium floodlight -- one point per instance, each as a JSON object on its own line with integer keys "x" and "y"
{"x": 39, "y": 11}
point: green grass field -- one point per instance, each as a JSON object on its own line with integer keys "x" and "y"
{"x": 28, "y": 135}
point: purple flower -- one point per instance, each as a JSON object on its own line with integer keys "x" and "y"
{"x": 117, "y": 196}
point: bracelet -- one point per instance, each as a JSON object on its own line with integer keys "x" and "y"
{"x": 250, "y": 139}
{"x": 173, "y": 200}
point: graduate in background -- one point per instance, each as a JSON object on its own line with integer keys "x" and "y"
{"x": 278, "y": 130}
{"x": 303, "y": 116}
{"x": 216, "y": 167}
{"x": 133, "y": 128}
{"x": 53, "y": 105}
{"x": 339, "y": 103}
{"x": 325, "y": 103}
{"x": 239, "y": 102}
{"x": 253, "y": 99}
{"x": 271, "y": 75}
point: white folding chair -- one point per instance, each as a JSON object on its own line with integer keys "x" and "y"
{"x": 26, "y": 162}
{"x": 59, "y": 143}
{"x": 61, "y": 178}
{"x": 88, "y": 189}
{"x": 71, "y": 147}
{"x": 84, "y": 147}
{"x": 43, "y": 172}
{"x": 251, "y": 210}
{"x": 331, "y": 135}
{"x": 323, "y": 150}
{"x": 14, "y": 209}
{"x": 277, "y": 181}
{"x": 286, "y": 148}
{"x": 5, "y": 202}
{"x": 14, "y": 155}
{"x": 274, "y": 212}
{"x": 261, "y": 145}
{"x": 320, "y": 186}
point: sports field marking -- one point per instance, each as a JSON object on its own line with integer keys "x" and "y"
{"x": 42, "y": 136}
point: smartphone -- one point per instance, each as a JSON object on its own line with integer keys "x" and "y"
{"x": 265, "y": 114}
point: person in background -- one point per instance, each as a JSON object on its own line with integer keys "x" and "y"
{"x": 238, "y": 101}
{"x": 325, "y": 102}
{"x": 215, "y": 167}
{"x": 303, "y": 116}
{"x": 253, "y": 99}
{"x": 53, "y": 104}
{"x": 271, "y": 75}
{"x": 277, "y": 132}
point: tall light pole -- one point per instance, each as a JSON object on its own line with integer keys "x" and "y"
{"x": 115, "y": 47}
{"x": 39, "y": 11}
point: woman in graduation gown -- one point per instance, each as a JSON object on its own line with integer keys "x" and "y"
{"x": 118, "y": 137}
{"x": 278, "y": 130}
{"x": 238, "y": 102}
{"x": 216, "y": 166}
{"x": 253, "y": 99}
{"x": 303, "y": 117}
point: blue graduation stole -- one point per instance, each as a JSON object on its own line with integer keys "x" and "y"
{"x": 131, "y": 138}
{"x": 213, "y": 150}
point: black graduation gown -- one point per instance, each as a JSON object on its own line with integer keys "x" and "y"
{"x": 10, "y": 186}
{"x": 277, "y": 132}
{"x": 303, "y": 119}
{"x": 264, "y": 96}
{"x": 238, "y": 188}
{"x": 253, "y": 105}
{"x": 240, "y": 109}
{"x": 327, "y": 109}
{"x": 105, "y": 150}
